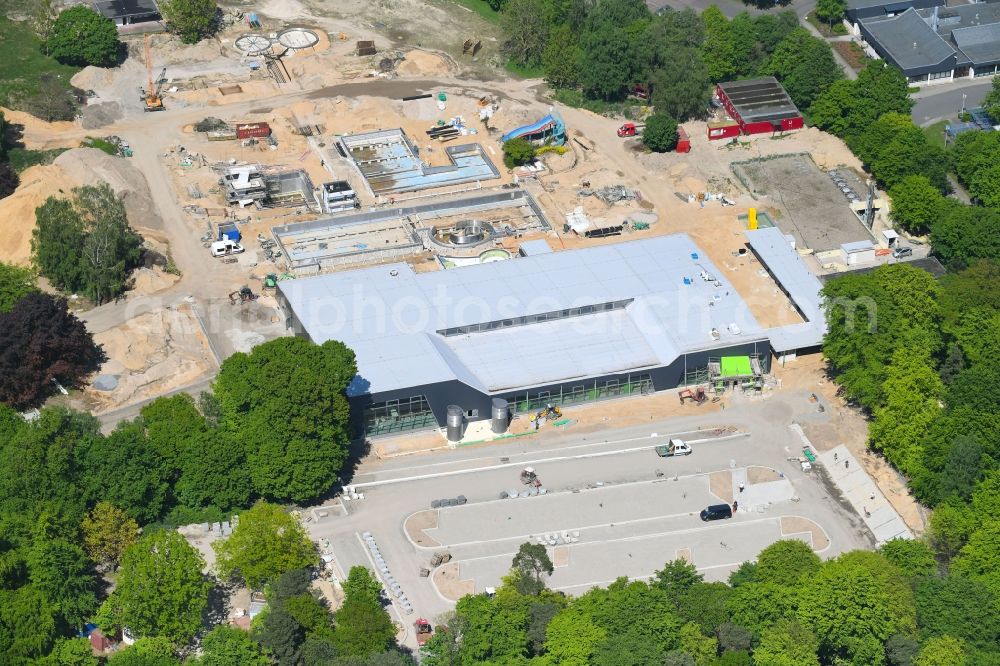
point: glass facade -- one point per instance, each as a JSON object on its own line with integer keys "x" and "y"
{"x": 590, "y": 391}
{"x": 393, "y": 416}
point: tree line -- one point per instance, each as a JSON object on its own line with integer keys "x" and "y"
{"x": 72, "y": 500}
{"x": 605, "y": 49}
{"x": 898, "y": 606}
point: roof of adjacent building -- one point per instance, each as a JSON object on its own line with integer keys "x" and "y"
{"x": 526, "y": 322}
{"x": 120, "y": 8}
{"x": 803, "y": 288}
{"x": 759, "y": 99}
{"x": 908, "y": 40}
{"x": 979, "y": 43}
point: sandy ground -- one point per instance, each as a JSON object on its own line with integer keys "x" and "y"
{"x": 721, "y": 485}
{"x": 80, "y": 166}
{"x": 416, "y": 525}
{"x": 151, "y": 354}
{"x": 447, "y": 581}
{"x": 797, "y": 525}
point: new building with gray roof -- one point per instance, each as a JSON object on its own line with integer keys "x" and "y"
{"x": 559, "y": 327}
{"x": 930, "y": 43}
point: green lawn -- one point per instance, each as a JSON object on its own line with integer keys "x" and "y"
{"x": 935, "y": 133}
{"x": 480, "y": 7}
{"x": 22, "y": 62}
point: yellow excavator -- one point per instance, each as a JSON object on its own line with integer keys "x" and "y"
{"x": 151, "y": 94}
{"x": 550, "y": 413}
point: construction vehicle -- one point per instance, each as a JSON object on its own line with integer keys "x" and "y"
{"x": 630, "y": 129}
{"x": 529, "y": 478}
{"x": 696, "y": 395}
{"x": 549, "y": 413}
{"x": 423, "y": 629}
{"x": 244, "y": 295}
{"x": 151, "y": 94}
{"x": 675, "y": 447}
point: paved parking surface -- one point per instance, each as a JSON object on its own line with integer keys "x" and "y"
{"x": 633, "y": 511}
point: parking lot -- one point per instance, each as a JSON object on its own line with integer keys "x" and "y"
{"x": 611, "y": 507}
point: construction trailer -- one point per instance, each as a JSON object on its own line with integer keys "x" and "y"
{"x": 759, "y": 106}
{"x": 683, "y": 141}
{"x": 253, "y": 130}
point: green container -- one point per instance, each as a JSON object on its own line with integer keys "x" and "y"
{"x": 442, "y": 97}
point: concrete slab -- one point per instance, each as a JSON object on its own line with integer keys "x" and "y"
{"x": 864, "y": 495}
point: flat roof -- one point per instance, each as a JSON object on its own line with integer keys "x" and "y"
{"x": 528, "y": 321}
{"x": 908, "y": 40}
{"x": 759, "y": 99}
{"x": 802, "y": 287}
{"x": 979, "y": 43}
{"x": 533, "y": 247}
{"x": 118, "y": 8}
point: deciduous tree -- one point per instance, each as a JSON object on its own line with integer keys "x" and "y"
{"x": 161, "y": 589}
{"x": 916, "y": 204}
{"x": 16, "y": 282}
{"x": 830, "y": 11}
{"x": 191, "y": 19}
{"x": 111, "y": 250}
{"x": 913, "y": 558}
{"x": 57, "y": 244}
{"x": 532, "y": 563}
{"x": 228, "y": 646}
{"x": 363, "y": 628}
{"x": 286, "y": 403}
{"x": 267, "y": 542}
{"x": 787, "y": 562}
{"x": 61, "y": 572}
{"x": 660, "y": 134}
{"x": 525, "y": 30}
{"x": 107, "y": 534}
{"x": 42, "y": 342}
{"x": 81, "y": 36}
{"x": 805, "y": 66}
{"x": 941, "y": 651}
{"x": 788, "y": 643}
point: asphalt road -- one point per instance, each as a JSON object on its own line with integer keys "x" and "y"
{"x": 944, "y": 102}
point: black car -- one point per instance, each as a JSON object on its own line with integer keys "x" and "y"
{"x": 717, "y": 512}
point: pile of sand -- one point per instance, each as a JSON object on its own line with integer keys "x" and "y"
{"x": 71, "y": 169}
{"x": 17, "y": 212}
{"x": 39, "y": 135}
{"x": 93, "y": 78}
{"x": 423, "y": 63}
{"x": 89, "y": 165}
{"x": 151, "y": 280}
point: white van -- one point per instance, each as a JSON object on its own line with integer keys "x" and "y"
{"x": 225, "y": 246}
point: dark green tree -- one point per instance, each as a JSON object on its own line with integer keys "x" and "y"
{"x": 281, "y": 635}
{"x": 80, "y": 36}
{"x": 606, "y": 64}
{"x": 111, "y": 250}
{"x": 61, "y": 571}
{"x": 660, "y": 133}
{"x": 676, "y": 577}
{"x": 788, "y": 643}
{"x": 285, "y": 402}
{"x": 848, "y": 107}
{"x": 27, "y": 625}
{"x": 531, "y": 563}
{"x": 830, "y": 11}
{"x": 363, "y": 627}
{"x": 682, "y": 90}
{"x": 719, "y": 47}
{"x": 57, "y": 244}
{"x": 124, "y": 470}
{"x": 518, "y": 151}
{"x": 525, "y": 31}
{"x": 70, "y": 652}
{"x": 228, "y": 646}
{"x": 9, "y": 180}
{"x": 705, "y": 605}
{"x": 992, "y": 101}
{"x": 966, "y": 234}
{"x": 561, "y": 58}
{"x": 191, "y": 19}
{"x": 957, "y": 606}
{"x": 805, "y": 66}
{"x": 975, "y": 156}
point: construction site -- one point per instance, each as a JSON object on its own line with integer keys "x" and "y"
{"x": 306, "y": 173}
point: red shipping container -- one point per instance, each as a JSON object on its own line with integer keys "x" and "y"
{"x": 723, "y": 130}
{"x": 683, "y": 141}
{"x": 257, "y": 130}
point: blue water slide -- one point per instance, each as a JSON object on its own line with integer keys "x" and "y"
{"x": 551, "y": 125}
